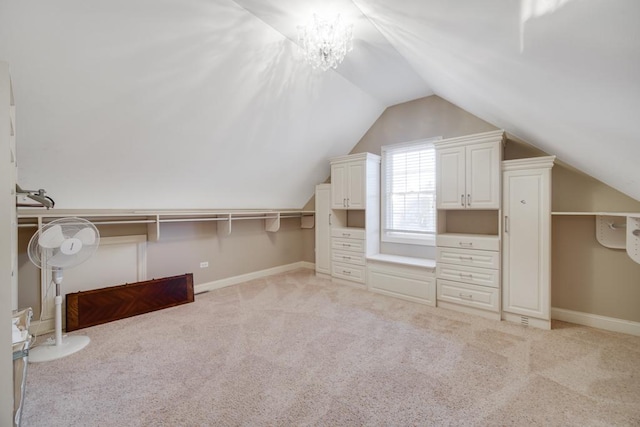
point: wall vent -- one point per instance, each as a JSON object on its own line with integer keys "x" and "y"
{"x": 524, "y": 320}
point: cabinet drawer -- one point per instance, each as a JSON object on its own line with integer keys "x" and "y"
{"x": 348, "y": 257}
{"x": 468, "y": 241}
{"x": 402, "y": 282}
{"x": 348, "y": 233}
{"x": 470, "y": 295}
{"x": 477, "y": 276}
{"x": 355, "y": 273}
{"x": 347, "y": 244}
{"x": 470, "y": 257}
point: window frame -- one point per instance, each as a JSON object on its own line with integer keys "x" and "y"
{"x": 410, "y": 238}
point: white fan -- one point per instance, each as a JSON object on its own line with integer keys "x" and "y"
{"x": 60, "y": 244}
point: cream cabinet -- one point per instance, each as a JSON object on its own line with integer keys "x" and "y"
{"x": 349, "y": 177}
{"x": 468, "y": 273}
{"x": 468, "y": 171}
{"x": 526, "y": 251}
{"x": 348, "y": 254}
{"x": 323, "y": 229}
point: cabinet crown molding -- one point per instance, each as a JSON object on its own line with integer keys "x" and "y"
{"x": 528, "y": 163}
{"x": 491, "y": 136}
{"x": 357, "y": 156}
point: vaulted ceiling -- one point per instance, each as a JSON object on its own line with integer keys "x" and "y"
{"x": 207, "y": 103}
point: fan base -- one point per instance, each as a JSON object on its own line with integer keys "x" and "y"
{"x": 50, "y": 351}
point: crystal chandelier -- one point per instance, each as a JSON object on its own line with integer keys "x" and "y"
{"x": 324, "y": 44}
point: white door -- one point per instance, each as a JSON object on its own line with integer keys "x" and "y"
{"x": 356, "y": 195}
{"x": 483, "y": 176}
{"x": 339, "y": 177}
{"x": 526, "y": 243}
{"x": 450, "y": 178}
{"x": 323, "y": 231}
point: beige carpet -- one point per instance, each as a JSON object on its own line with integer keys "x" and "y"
{"x": 294, "y": 349}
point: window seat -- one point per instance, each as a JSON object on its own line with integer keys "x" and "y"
{"x": 404, "y": 260}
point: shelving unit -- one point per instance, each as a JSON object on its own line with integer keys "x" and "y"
{"x": 29, "y": 217}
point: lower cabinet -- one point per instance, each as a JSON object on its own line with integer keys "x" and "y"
{"x": 468, "y": 273}
{"x": 406, "y": 278}
{"x": 348, "y": 254}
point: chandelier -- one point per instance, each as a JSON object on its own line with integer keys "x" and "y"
{"x": 324, "y": 44}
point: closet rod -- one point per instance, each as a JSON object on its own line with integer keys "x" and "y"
{"x": 133, "y": 221}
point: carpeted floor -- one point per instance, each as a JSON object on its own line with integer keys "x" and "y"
{"x": 294, "y": 349}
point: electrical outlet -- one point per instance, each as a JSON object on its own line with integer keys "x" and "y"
{"x": 204, "y": 264}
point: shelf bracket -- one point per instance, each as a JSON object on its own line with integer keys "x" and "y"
{"x": 272, "y": 223}
{"x": 610, "y": 231}
{"x": 224, "y": 226}
{"x": 633, "y": 238}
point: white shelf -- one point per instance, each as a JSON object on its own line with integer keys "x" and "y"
{"x": 633, "y": 214}
{"x": 30, "y": 217}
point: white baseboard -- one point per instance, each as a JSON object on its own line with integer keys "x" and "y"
{"x": 596, "y": 321}
{"x": 41, "y": 327}
{"x": 230, "y": 281}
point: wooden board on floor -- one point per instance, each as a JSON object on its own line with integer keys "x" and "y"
{"x": 98, "y": 306}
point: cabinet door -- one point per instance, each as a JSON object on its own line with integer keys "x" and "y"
{"x": 323, "y": 230}
{"x": 450, "y": 178}
{"x": 526, "y": 243}
{"x": 356, "y": 192}
{"x": 339, "y": 180}
{"x": 483, "y": 176}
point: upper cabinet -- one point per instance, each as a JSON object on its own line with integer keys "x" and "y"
{"x": 349, "y": 179}
{"x": 468, "y": 171}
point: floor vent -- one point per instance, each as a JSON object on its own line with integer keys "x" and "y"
{"x": 524, "y": 320}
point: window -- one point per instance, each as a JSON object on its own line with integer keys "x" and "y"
{"x": 409, "y": 192}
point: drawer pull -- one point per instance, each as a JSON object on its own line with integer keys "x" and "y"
{"x": 346, "y": 245}
{"x": 469, "y": 275}
{"x": 346, "y": 234}
{"x": 466, "y": 258}
{"x": 346, "y": 272}
{"x": 346, "y": 257}
{"x": 467, "y": 244}
{"x": 465, "y": 296}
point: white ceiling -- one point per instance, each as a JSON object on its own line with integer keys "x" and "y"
{"x": 206, "y": 104}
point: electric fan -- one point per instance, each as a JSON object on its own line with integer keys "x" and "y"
{"x": 58, "y": 245}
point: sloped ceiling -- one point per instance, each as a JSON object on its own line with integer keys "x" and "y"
{"x": 207, "y": 104}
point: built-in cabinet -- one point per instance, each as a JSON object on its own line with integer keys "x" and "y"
{"x": 355, "y": 215}
{"x": 323, "y": 229}
{"x": 348, "y": 259}
{"x": 468, "y": 171}
{"x": 468, "y": 177}
{"x": 468, "y": 273}
{"x": 526, "y": 272}
{"x": 493, "y": 240}
{"x": 348, "y": 182}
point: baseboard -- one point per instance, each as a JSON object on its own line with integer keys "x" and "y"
{"x": 230, "y": 281}
{"x": 41, "y": 327}
{"x": 596, "y": 321}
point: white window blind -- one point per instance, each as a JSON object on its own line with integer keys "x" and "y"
{"x": 409, "y": 192}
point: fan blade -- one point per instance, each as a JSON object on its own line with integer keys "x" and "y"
{"x": 51, "y": 238}
{"x": 87, "y": 236}
{"x": 61, "y": 260}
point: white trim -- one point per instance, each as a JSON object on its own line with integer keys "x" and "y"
{"x": 230, "y": 281}
{"x": 596, "y": 321}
